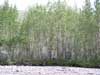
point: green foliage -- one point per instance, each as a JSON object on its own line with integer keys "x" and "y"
{"x": 8, "y": 22}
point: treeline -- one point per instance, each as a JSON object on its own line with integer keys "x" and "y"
{"x": 55, "y": 34}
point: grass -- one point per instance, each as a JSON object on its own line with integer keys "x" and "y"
{"x": 92, "y": 63}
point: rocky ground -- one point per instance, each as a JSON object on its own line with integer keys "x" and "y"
{"x": 47, "y": 70}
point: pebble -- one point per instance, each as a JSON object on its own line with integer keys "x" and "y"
{"x": 47, "y": 70}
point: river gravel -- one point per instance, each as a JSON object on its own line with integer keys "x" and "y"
{"x": 47, "y": 70}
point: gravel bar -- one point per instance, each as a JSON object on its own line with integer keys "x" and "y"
{"x": 47, "y": 70}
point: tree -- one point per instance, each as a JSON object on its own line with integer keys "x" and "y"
{"x": 8, "y": 27}
{"x": 97, "y": 17}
